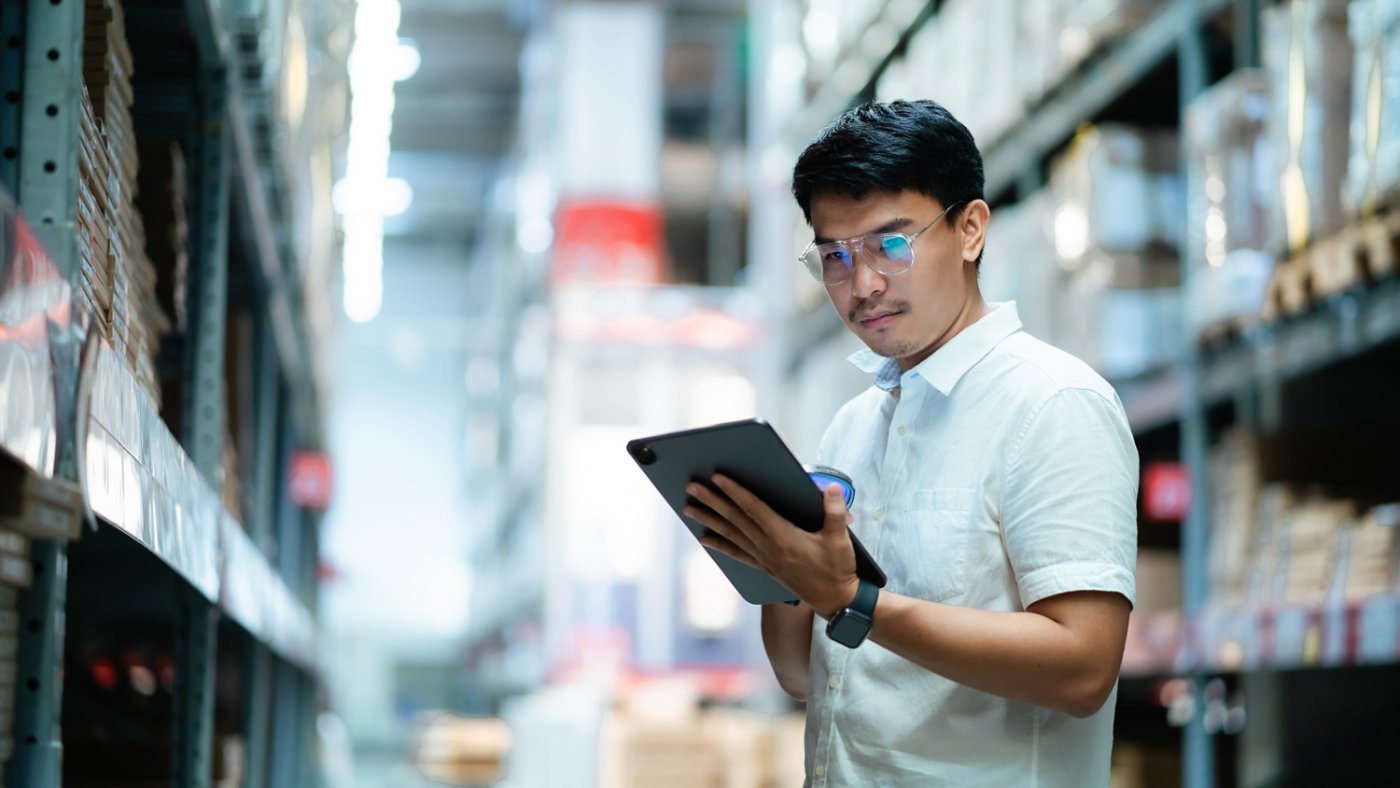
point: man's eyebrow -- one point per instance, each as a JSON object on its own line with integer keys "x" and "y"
{"x": 895, "y": 224}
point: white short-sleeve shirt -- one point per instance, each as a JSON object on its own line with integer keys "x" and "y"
{"x": 998, "y": 472}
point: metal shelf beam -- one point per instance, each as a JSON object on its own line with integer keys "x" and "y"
{"x": 1046, "y": 127}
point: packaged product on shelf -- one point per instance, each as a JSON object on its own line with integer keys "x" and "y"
{"x": 1263, "y": 578}
{"x": 1308, "y": 55}
{"x": 1229, "y": 168}
{"x": 1373, "y": 172}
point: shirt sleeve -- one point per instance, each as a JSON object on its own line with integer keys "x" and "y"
{"x": 1069, "y": 510}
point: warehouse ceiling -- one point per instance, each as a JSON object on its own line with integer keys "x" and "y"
{"x": 455, "y": 120}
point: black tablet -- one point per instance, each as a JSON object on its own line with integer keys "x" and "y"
{"x": 751, "y": 453}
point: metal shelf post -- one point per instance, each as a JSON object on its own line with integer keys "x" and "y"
{"x": 257, "y": 694}
{"x": 41, "y": 105}
{"x": 11, "y": 85}
{"x": 1198, "y": 746}
{"x": 204, "y": 392}
{"x": 195, "y": 640}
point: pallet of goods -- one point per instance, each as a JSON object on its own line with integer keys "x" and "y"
{"x": 1308, "y": 55}
{"x": 1225, "y": 139}
{"x": 31, "y": 507}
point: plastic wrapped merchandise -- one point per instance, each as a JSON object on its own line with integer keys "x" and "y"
{"x": 1038, "y": 64}
{"x": 1123, "y": 332}
{"x": 1018, "y": 264}
{"x": 1309, "y": 59}
{"x": 1229, "y": 167}
{"x": 1089, "y": 24}
{"x": 1117, "y": 188}
{"x": 1373, "y": 173}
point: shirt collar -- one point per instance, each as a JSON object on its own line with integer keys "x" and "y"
{"x": 947, "y": 365}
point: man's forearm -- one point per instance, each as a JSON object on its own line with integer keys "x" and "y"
{"x": 787, "y": 638}
{"x": 1070, "y": 664}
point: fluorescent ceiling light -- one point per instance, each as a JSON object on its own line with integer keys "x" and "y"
{"x": 405, "y": 61}
{"x": 376, "y": 50}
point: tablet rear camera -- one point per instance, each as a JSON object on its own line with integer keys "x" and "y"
{"x": 643, "y": 454}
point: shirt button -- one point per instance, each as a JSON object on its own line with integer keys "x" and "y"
{"x": 819, "y": 771}
{"x": 903, "y": 430}
{"x": 880, "y": 513}
{"x": 834, "y": 683}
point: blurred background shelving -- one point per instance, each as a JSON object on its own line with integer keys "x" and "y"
{"x": 468, "y": 248}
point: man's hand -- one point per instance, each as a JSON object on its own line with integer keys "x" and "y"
{"x": 820, "y": 567}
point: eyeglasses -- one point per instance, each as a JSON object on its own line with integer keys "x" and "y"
{"x": 888, "y": 253}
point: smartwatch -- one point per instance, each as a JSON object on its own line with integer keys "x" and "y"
{"x": 850, "y": 625}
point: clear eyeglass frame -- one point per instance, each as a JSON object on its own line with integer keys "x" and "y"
{"x": 888, "y": 254}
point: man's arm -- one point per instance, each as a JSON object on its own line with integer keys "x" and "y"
{"x": 787, "y": 637}
{"x": 1062, "y": 653}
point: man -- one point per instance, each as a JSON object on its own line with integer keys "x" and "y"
{"x": 997, "y": 485}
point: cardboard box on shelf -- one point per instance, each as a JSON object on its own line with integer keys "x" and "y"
{"x": 1312, "y": 531}
{"x": 1373, "y": 554}
{"x": 1158, "y": 580}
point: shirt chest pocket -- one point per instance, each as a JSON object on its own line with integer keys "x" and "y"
{"x": 929, "y": 552}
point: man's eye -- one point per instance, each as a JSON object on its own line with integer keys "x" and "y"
{"x": 895, "y": 247}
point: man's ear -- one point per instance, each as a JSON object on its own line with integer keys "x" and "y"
{"x": 972, "y": 227}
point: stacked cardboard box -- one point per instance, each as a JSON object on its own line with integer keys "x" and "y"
{"x": 95, "y": 282}
{"x": 1230, "y": 199}
{"x": 129, "y": 315}
{"x": 1373, "y": 555}
{"x": 1308, "y": 55}
{"x": 1373, "y": 172}
{"x": 1312, "y": 530}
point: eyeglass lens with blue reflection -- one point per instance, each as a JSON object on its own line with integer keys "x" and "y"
{"x": 825, "y": 476}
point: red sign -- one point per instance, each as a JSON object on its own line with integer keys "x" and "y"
{"x": 309, "y": 479}
{"x": 607, "y": 242}
{"x": 1166, "y": 491}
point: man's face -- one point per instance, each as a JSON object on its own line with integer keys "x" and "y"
{"x": 909, "y": 315}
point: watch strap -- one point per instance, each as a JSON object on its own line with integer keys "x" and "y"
{"x": 867, "y": 594}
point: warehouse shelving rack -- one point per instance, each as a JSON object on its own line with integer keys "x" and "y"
{"x": 1246, "y": 380}
{"x": 165, "y": 556}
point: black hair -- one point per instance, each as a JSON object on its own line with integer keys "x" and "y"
{"x": 893, "y": 147}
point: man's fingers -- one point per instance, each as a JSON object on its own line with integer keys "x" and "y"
{"x": 719, "y": 526}
{"x": 720, "y": 544}
{"x": 721, "y": 505}
{"x": 758, "y": 511}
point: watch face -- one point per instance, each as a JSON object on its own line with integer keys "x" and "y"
{"x": 848, "y": 628}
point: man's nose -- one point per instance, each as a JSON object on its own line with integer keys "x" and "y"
{"x": 865, "y": 280}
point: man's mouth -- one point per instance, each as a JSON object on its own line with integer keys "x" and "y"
{"x": 878, "y": 319}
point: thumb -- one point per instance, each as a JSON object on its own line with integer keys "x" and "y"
{"x": 834, "y": 502}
